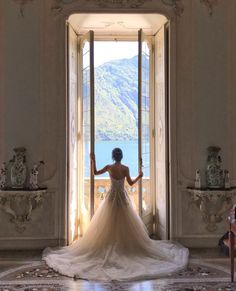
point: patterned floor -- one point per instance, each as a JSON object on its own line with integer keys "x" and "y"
{"x": 31, "y": 274}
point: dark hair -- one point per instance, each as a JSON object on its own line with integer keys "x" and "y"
{"x": 117, "y": 154}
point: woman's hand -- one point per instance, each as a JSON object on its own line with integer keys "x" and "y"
{"x": 130, "y": 181}
{"x": 92, "y": 156}
{"x": 140, "y": 174}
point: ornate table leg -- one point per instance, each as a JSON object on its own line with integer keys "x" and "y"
{"x": 231, "y": 252}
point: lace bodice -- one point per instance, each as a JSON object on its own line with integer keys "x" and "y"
{"x": 117, "y": 184}
{"x": 117, "y": 192}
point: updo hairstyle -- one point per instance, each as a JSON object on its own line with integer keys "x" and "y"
{"x": 117, "y": 154}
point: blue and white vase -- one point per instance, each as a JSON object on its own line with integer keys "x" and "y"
{"x": 18, "y": 169}
{"x": 214, "y": 172}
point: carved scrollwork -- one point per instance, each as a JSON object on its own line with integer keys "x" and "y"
{"x": 209, "y": 4}
{"x": 58, "y": 4}
{"x": 22, "y": 4}
{"x": 177, "y": 5}
{"x": 119, "y": 3}
{"x": 19, "y": 205}
{"x": 212, "y": 204}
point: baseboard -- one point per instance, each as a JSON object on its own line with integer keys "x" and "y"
{"x": 30, "y": 244}
{"x": 199, "y": 242}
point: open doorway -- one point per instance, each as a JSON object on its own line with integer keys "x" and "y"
{"x": 100, "y": 119}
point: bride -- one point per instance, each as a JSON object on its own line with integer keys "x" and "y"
{"x": 116, "y": 245}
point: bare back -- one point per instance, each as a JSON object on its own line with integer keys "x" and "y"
{"x": 117, "y": 171}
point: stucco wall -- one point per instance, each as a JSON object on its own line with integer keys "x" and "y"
{"x": 205, "y": 105}
{"x": 33, "y": 107}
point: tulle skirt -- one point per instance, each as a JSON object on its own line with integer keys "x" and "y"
{"x": 116, "y": 246}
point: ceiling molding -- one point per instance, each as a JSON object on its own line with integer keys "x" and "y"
{"x": 22, "y": 4}
{"x": 210, "y": 5}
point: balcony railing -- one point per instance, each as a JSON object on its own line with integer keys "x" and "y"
{"x": 102, "y": 186}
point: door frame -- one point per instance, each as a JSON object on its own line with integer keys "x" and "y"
{"x": 172, "y": 117}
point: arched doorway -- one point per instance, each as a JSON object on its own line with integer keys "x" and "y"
{"x": 152, "y": 108}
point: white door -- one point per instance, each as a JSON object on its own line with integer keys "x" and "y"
{"x": 87, "y": 129}
{"x": 72, "y": 134}
{"x": 146, "y": 189}
{"x": 161, "y": 122}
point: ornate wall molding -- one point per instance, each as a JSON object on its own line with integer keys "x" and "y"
{"x": 57, "y": 6}
{"x": 20, "y": 204}
{"x": 210, "y": 5}
{"x": 22, "y": 4}
{"x": 177, "y": 5}
{"x": 120, "y": 3}
{"x": 213, "y": 205}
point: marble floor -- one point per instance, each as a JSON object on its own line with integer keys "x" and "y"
{"x": 208, "y": 269}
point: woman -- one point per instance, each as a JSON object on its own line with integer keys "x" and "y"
{"x": 116, "y": 245}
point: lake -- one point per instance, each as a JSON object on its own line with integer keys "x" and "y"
{"x": 103, "y": 151}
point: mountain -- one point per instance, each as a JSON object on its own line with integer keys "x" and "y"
{"x": 116, "y": 100}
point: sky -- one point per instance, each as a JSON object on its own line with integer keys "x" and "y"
{"x": 105, "y": 51}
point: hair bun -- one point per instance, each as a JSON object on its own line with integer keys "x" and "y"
{"x": 117, "y": 154}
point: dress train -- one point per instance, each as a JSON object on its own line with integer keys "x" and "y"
{"x": 116, "y": 246}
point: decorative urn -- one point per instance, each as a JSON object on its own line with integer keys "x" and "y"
{"x": 18, "y": 168}
{"x": 214, "y": 172}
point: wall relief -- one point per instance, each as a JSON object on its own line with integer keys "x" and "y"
{"x": 209, "y": 4}
{"x": 57, "y": 6}
{"x": 22, "y": 4}
{"x": 176, "y": 5}
{"x": 119, "y": 3}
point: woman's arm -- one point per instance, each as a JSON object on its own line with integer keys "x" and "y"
{"x": 130, "y": 181}
{"x": 94, "y": 168}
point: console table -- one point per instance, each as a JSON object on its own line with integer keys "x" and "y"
{"x": 20, "y": 203}
{"x": 213, "y": 204}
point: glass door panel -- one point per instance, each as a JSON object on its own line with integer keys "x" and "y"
{"x": 145, "y": 194}
{"x": 87, "y": 128}
{"x": 116, "y": 112}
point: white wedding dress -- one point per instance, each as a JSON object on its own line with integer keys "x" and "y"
{"x": 116, "y": 246}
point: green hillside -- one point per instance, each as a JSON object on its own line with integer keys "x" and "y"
{"x": 116, "y": 100}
